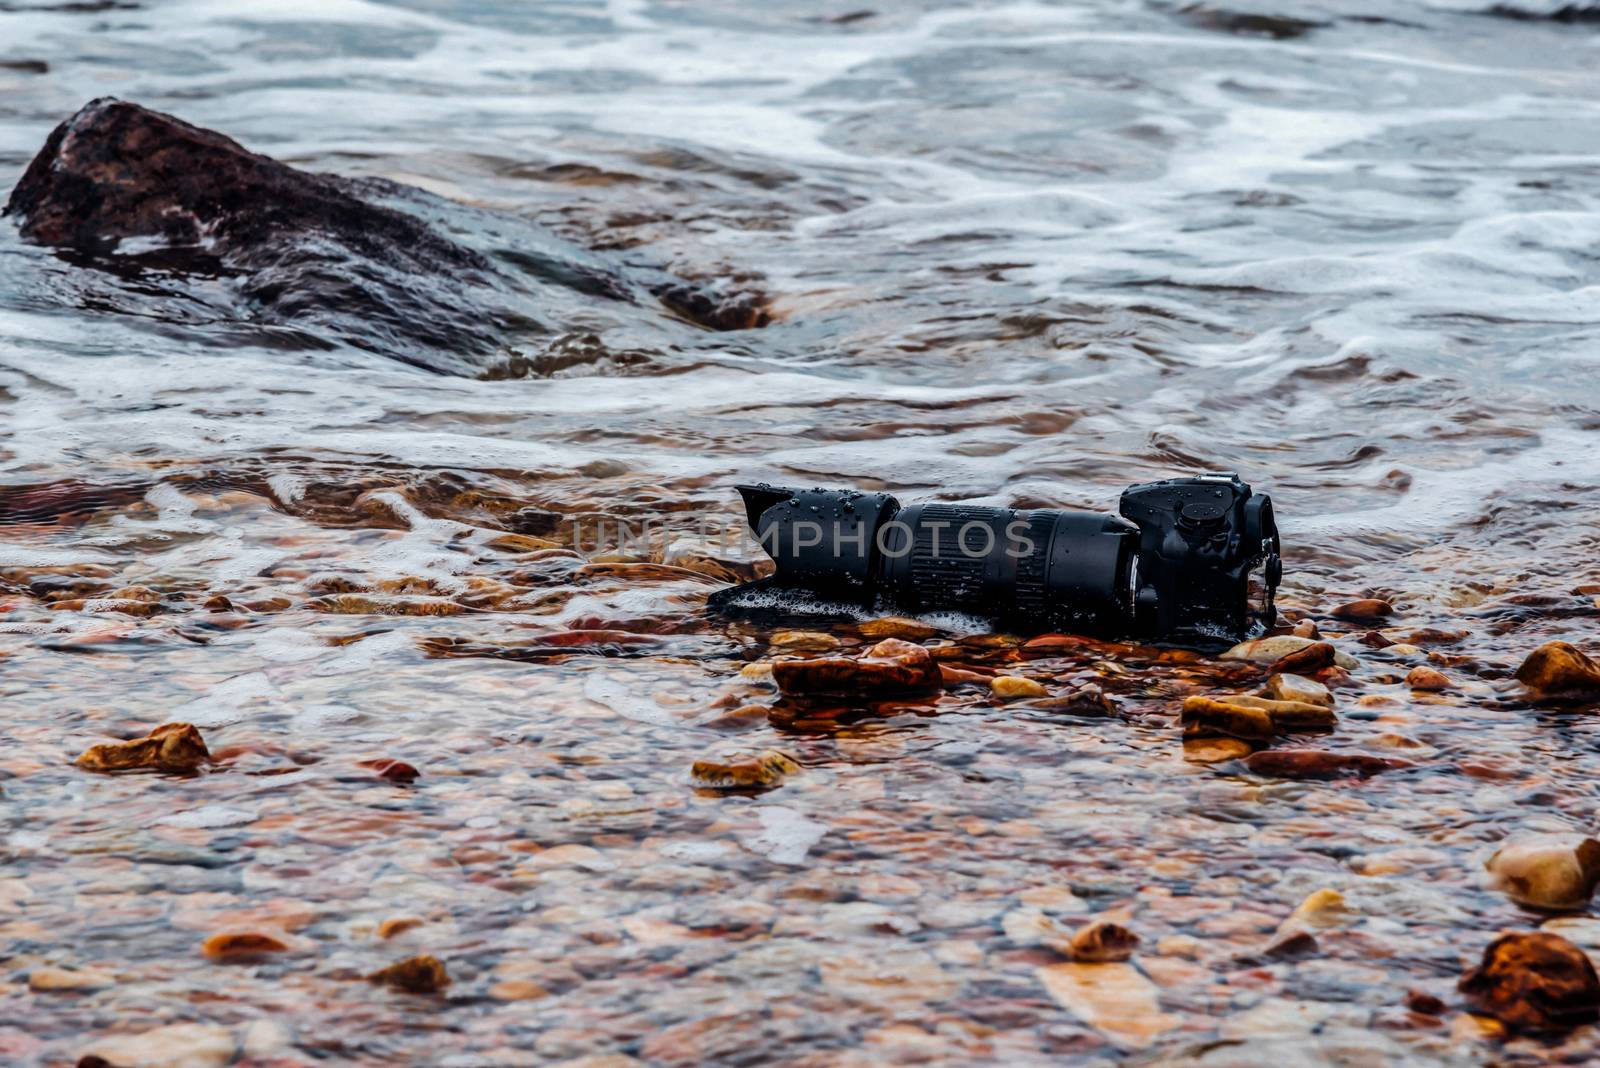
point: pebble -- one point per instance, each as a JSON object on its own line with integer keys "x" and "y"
{"x": 1322, "y": 910}
{"x": 804, "y": 641}
{"x": 1204, "y": 716}
{"x": 760, "y": 771}
{"x": 1010, "y": 687}
{"x": 171, "y": 747}
{"x": 1102, "y": 942}
{"x": 954, "y": 676}
{"x": 232, "y": 946}
{"x": 1306, "y": 661}
{"x": 1214, "y": 750}
{"x": 398, "y": 925}
{"x": 1273, "y": 649}
{"x": 1291, "y": 715}
{"x": 181, "y": 1045}
{"x": 1427, "y": 679}
{"x": 737, "y": 718}
{"x": 517, "y": 990}
{"x": 897, "y": 627}
{"x": 1548, "y": 872}
{"x": 1320, "y": 764}
{"x": 1115, "y": 999}
{"x": 1560, "y": 669}
{"x": 1268, "y": 650}
{"x": 46, "y": 978}
{"x": 1366, "y": 609}
{"x": 1027, "y": 927}
{"x": 891, "y": 666}
{"x": 1287, "y": 687}
{"x": 397, "y": 771}
{"x": 1534, "y": 981}
{"x": 415, "y": 975}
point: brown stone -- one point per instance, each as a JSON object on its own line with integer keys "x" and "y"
{"x": 117, "y": 171}
{"x": 172, "y": 747}
{"x": 1086, "y": 700}
{"x": 1560, "y": 670}
{"x": 1424, "y": 1002}
{"x": 1290, "y": 715}
{"x": 891, "y": 666}
{"x": 1319, "y": 764}
{"x": 1203, "y": 716}
{"x": 1534, "y": 981}
{"x": 1299, "y": 688}
{"x": 415, "y": 975}
{"x": 1553, "y": 872}
{"x": 1306, "y": 661}
{"x": 759, "y": 771}
{"x": 1427, "y": 680}
{"x": 1102, "y": 942}
{"x": 1366, "y": 609}
{"x": 1214, "y": 750}
{"x": 1011, "y": 687}
{"x": 897, "y": 627}
{"x": 393, "y": 770}
{"x": 954, "y": 676}
{"x": 397, "y": 925}
{"x": 233, "y": 946}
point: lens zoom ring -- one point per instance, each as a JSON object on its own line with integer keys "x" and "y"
{"x": 943, "y": 574}
{"x": 1032, "y": 568}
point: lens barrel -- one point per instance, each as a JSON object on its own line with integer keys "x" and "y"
{"x": 1174, "y": 566}
{"x": 1069, "y": 569}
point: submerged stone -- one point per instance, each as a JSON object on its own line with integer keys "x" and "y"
{"x": 1558, "y": 669}
{"x": 1115, "y": 999}
{"x": 1287, "y": 687}
{"x": 415, "y": 975}
{"x": 1290, "y": 715}
{"x": 1366, "y": 609}
{"x": 891, "y": 666}
{"x": 1548, "y": 872}
{"x": 171, "y": 747}
{"x": 1427, "y": 680}
{"x": 1320, "y": 764}
{"x": 180, "y": 1045}
{"x": 1011, "y": 687}
{"x": 1214, "y": 750}
{"x": 760, "y": 771}
{"x": 1534, "y": 981}
{"x": 231, "y": 946}
{"x": 1102, "y": 942}
{"x": 1204, "y": 716}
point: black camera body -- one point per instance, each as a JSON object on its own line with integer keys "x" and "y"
{"x": 1173, "y": 568}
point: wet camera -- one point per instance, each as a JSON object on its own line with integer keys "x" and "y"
{"x": 1173, "y": 568}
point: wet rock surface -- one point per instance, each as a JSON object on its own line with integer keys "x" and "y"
{"x": 171, "y": 747}
{"x": 1534, "y": 981}
{"x": 1547, "y": 872}
{"x": 362, "y": 261}
{"x": 891, "y": 666}
{"x": 1561, "y": 671}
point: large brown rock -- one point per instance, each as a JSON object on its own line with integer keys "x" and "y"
{"x": 1534, "y": 981}
{"x": 1558, "y": 669}
{"x": 311, "y": 250}
{"x": 322, "y": 259}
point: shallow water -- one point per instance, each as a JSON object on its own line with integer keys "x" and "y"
{"x": 1024, "y": 254}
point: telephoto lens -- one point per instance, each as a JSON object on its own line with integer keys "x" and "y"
{"x": 1173, "y": 568}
